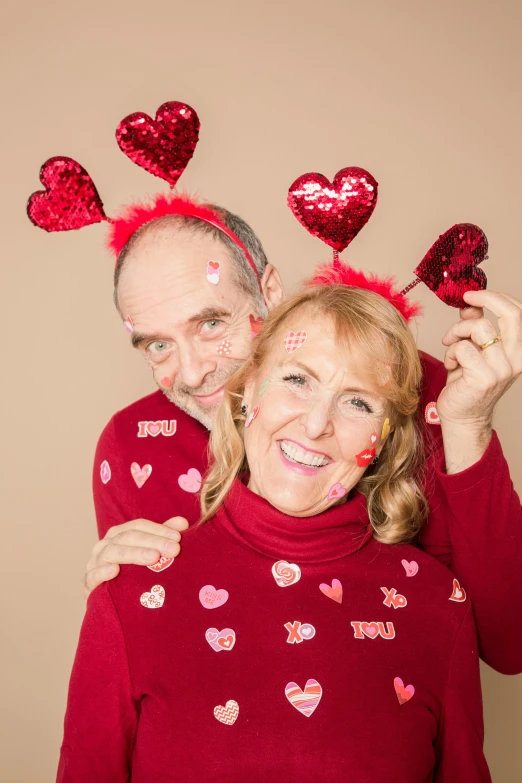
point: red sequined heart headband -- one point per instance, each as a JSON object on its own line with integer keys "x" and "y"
{"x": 163, "y": 147}
{"x": 336, "y": 211}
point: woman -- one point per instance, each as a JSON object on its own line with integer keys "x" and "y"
{"x": 314, "y": 643}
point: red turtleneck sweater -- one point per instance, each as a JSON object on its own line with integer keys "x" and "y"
{"x": 277, "y": 646}
{"x": 475, "y": 525}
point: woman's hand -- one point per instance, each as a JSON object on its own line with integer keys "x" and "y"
{"x": 478, "y": 376}
{"x": 140, "y": 542}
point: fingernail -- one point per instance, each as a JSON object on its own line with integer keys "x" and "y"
{"x": 172, "y": 548}
{"x": 173, "y": 534}
{"x": 150, "y": 556}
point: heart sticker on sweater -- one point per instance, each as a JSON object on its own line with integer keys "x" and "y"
{"x": 153, "y": 599}
{"x": 162, "y": 564}
{"x": 430, "y": 413}
{"x": 221, "y": 640}
{"x": 404, "y": 694}
{"x": 306, "y": 701}
{"x": 227, "y": 714}
{"x": 459, "y": 594}
{"x": 191, "y": 480}
{"x": 105, "y": 472}
{"x": 286, "y": 573}
{"x": 411, "y": 568}
{"x": 336, "y": 492}
{"x": 335, "y": 591}
{"x": 140, "y": 475}
{"x": 294, "y": 340}
{"x": 211, "y": 598}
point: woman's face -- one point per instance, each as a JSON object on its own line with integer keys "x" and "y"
{"x": 318, "y": 425}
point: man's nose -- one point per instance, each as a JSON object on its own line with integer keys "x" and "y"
{"x": 194, "y": 366}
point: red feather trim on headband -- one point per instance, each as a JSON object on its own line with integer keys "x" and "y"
{"x": 137, "y": 215}
{"x": 341, "y": 274}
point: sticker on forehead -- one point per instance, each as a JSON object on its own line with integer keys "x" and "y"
{"x": 213, "y": 268}
{"x": 224, "y": 348}
{"x": 128, "y": 325}
{"x": 294, "y": 340}
{"x": 385, "y": 375}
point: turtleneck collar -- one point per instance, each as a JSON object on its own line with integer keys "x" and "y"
{"x": 337, "y": 532}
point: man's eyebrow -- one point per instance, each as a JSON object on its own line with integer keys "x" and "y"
{"x": 209, "y": 313}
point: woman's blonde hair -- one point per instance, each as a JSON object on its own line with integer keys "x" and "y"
{"x": 369, "y": 325}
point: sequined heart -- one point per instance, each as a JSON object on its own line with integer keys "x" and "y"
{"x": 334, "y": 211}
{"x": 307, "y": 701}
{"x": 449, "y": 268}
{"x": 70, "y": 199}
{"x": 162, "y": 146}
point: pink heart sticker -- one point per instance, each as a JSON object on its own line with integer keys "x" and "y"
{"x": 211, "y": 598}
{"x": 404, "y": 694}
{"x": 221, "y": 640}
{"x": 105, "y": 472}
{"x": 307, "y": 701}
{"x": 410, "y": 568}
{"x": 190, "y": 481}
{"x": 294, "y": 340}
{"x": 154, "y": 428}
{"x": 333, "y": 591}
{"x": 336, "y": 492}
{"x": 140, "y": 475}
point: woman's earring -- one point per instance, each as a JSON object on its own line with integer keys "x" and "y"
{"x": 375, "y": 460}
{"x": 244, "y": 410}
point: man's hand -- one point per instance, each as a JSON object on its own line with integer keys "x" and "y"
{"x": 477, "y": 378}
{"x": 140, "y": 542}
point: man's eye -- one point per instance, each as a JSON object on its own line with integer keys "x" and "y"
{"x": 211, "y": 324}
{"x": 158, "y": 346}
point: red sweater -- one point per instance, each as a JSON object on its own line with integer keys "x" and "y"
{"x": 351, "y": 660}
{"x": 475, "y": 525}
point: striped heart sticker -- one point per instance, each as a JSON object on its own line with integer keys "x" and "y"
{"x": 227, "y": 714}
{"x": 304, "y": 701}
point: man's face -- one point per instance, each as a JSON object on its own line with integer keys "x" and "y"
{"x": 193, "y": 333}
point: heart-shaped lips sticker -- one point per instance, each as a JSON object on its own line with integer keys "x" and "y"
{"x": 163, "y": 146}
{"x": 70, "y": 199}
{"x": 286, "y": 573}
{"x": 190, "y": 481}
{"x": 227, "y": 714}
{"x": 221, "y": 640}
{"x": 334, "y": 211}
{"x": 307, "y": 701}
{"x": 294, "y": 340}
{"x": 404, "y": 694}
{"x": 449, "y": 268}
{"x": 140, "y": 475}
{"x": 335, "y": 591}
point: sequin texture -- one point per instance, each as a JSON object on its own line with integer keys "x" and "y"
{"x": 70, "y": 200}
{"x": 449, "y": 268}
{"x": 163, "y": 146}
{"x": 335, "y": 211}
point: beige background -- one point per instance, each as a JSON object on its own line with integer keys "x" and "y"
{"x": 425, "y": 95}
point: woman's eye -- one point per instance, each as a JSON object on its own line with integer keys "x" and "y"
{"x": 358, "y": 404}
{"x": 295, "y": 380}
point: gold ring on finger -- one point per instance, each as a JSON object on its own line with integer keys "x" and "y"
{"x": 491, "y": 342}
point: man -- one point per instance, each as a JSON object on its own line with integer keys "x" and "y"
{"x": 194, "y": 331}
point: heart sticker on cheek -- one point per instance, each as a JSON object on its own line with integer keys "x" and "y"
{"x": 385, "y": 429}
{"x": 373, "y": 438}
{"x": 224, "y": 348}
{"x": 256, "y": 324}
{"x": 251, "y": 416}
{"x": 336, "y": 492}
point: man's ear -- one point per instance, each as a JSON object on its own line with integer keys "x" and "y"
{"x": 272, "y": 287}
